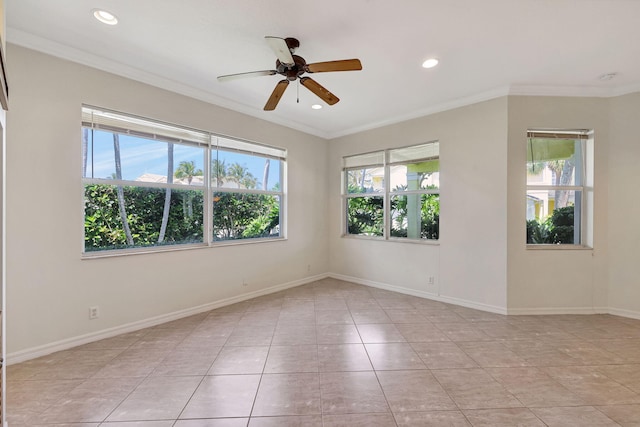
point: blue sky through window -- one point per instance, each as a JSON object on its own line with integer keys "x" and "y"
{"x": 141, "y": 156}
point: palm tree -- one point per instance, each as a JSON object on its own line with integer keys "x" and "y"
{"x": 187, "y": 169}
{"x": 562, "y": 172}
{"x": 218, "y": 171}
{"x": 248, "y": 181}
{"x": 565, "y": 179}
{"x": 241, "y": 176}
{"x": 357, "y": 179}
{"x": 85, "y": 150}
{"x": 167, "y": 195}
{"x": 120, "y": 191}
{"x": 265, "y": 175}
{"x": 236, "y": 172}
{"x": 556, "y": 167}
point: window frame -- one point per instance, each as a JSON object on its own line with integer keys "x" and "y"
{"x": 386, "y": 194}
{"x": 210, "y": 147}
{"x": 583, "y": 185}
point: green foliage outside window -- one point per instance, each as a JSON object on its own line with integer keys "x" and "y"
{"x": 556, "y": 229}
{"x": 235, "y": 216}
{"x": 245, "y": 216}
{"x": 429, "y": 216}
{"x": 103, "y": 227}
{"x": 365, "y": 215}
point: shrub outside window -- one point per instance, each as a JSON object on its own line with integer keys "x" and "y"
{"x": 365, "y": 194}
{"x": 149, "y": 184}
{"x": 393, "y": 194}
{"x": 559, "y": 187}
{"x": 247, "y": 195}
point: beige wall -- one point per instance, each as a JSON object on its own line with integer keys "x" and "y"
{"x": 51, "y": 288}
{"x": 469, "y": 264}
{"x": 556, "y": 280}
{"x": 624, "y": 206}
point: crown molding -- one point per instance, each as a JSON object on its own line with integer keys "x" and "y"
{"x": 450, "y": 105}
{"x": 573, "y": 91}
{"x": 626, "y": 90}
{"x": 570, "y": 91}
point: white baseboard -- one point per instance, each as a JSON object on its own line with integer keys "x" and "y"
{"x": 43, "y": 350}
{"x": 557, "y": 310}
{"x": 624, "y": 313}
{"x": 421, "y": 294}
{"x": 490, "y": 308}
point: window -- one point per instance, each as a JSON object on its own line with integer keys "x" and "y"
{"x": 364, "y": 194}
{"x": 148, "y": 184}
{"x": 247, "y": 191}
{"x": 393, "y": 194}
{"x": 559, "y": 187}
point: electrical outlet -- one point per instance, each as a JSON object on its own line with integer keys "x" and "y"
{"x": 431, "y": 280}
{"x": 309, "y": 267}
{"x": 244, "y": 283}
{"x": 94, "y": 312}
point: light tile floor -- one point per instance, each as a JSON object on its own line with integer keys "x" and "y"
{"x": 333, "y": 353}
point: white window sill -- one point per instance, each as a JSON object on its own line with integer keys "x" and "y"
{"x": 552, "y": 247}
{"x": 393, "y": 239}
{"x": 173, "y": 248}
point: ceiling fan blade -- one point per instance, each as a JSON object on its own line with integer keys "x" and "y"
{"x": 273, "y": 100}
{"x": 319, "y": 90}
{"x": 279, "y": 46}
{"x": 237, "y": 76}
{"x": 342, "y": 65}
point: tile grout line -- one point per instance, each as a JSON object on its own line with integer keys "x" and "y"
{"x": 322, "y": 421}
{"x": 82, "y": 380}
{"x": 255, "y": 397}
{"x": 203, "y": 377}
{"x": 375, "y": 372}
{"x": 135, "y": 388}
{"x": 144, "y": 378}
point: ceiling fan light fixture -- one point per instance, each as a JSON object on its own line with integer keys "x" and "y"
{"x": 105, "y": 17}
{"x": 430, "y": 63}
{"x": 316, "y": 106}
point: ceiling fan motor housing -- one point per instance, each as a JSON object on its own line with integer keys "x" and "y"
{"x": 292, "y": 44}
{"x": 294, "y": 71}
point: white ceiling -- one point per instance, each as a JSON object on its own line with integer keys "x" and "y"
{"x": 486, "y": 49}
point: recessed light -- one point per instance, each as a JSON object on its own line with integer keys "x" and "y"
{"x": 430, "y": 63}
{"x": 105, "y": 17}
{"x": 608, "y": 76}
{"x": 316, "y": 106}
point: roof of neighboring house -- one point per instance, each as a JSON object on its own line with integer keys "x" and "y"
{"x": 196, "y": 180}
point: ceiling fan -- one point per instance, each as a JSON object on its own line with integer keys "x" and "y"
{"x": 292, "y": 67}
